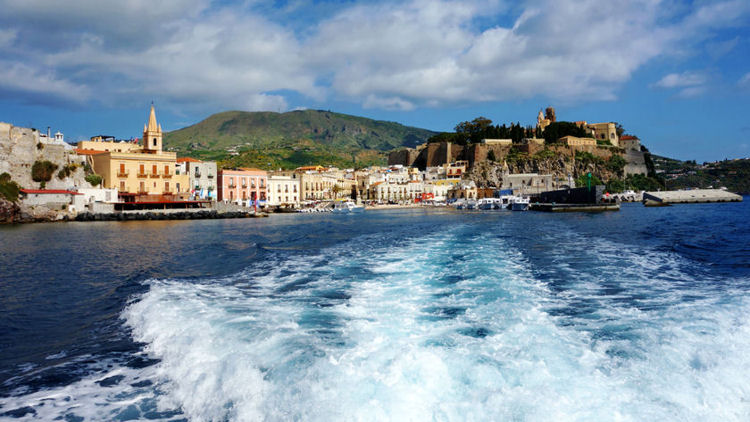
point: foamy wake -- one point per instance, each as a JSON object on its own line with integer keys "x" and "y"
{"x": 452, "y": 326}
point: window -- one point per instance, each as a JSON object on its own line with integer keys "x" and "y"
{"x": 142, "y": 187}
{"x": 154, "y": 141}
{"x": 166, "y": 186}
{"x": 154, "y": 170}
{"x": 197, "y": 172}
{"x": 252, "y": 182}
{"x": 122, "y": 186}
{"x": 263, "y": 183}
{"x": 278, "y": 189}
{"x": 286, "y": 188}
{"x": 166, "y": 169}
{"x": 295, "y": 190}
{"x": 122, "y": 168}
{"x": 142, "y": 169}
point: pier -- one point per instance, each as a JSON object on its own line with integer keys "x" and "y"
{"x": 692, "y": 196}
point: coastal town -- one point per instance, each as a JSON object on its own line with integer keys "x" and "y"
{"x": 55, "y": 180}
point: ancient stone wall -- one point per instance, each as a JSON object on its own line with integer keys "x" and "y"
{"x": 20, "y": 147}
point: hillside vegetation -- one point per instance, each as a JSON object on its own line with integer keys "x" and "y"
{"x": 732, "y": 174}
{"x": 272, "y": 140}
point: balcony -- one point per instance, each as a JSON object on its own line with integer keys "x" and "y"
{"x": 210, "y": 176}
{"x": 232, "y": 186}
{"x": 167, "y": 192}
{"x": 166, "y": 175}
{"x": 122, "y": 174}
{"x": 142, "y": 175}
{"x": 154, "y": 175}
{"x": 197, "y": 175}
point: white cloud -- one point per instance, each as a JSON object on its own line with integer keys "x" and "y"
{"x": 744, "y": 81}
{"x": 18, "y": 79}
{"x": 393, "y": 55}
{"x": 390, "y": 103}
{"x": 678, "y": 80}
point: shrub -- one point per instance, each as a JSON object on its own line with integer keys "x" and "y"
{"x": 8, "y": 188}
{"x": 616, "y": 164}
{"x": 94, "y": 179}
{"x": 582, "y": 181}
{"x": 42, "y": 171}
{"x": 67, "y": 170}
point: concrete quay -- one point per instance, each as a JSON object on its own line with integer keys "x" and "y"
{"x": 689, "y": 196}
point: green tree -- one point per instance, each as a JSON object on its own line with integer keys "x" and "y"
{"x": 491, "y": 156}
{"x": 557, "y": 130}
{"x": 582, "y": 181}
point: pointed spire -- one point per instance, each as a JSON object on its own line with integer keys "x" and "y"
{"x": 152, "y": 126}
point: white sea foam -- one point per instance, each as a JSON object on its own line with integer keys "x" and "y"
{"x": 444, "y": 327}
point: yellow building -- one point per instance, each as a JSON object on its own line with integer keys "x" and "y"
{"x": 137, "y": 170}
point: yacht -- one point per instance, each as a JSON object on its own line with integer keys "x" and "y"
{"x": 347, "y": 206}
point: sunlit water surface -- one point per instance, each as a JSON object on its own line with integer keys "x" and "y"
{"x": 643, "y": 314}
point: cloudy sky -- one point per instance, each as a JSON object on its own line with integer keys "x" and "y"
{"x": 675, "y": 73}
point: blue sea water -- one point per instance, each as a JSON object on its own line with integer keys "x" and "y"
{"x": 642, "y": 314}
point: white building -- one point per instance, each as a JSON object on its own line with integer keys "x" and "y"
{"x": 284, "y": 190}
{"x": 202, "y": 177}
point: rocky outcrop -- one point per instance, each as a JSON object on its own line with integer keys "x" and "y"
{"x": 10, "y": 212}
{"x": 488, "y": 174}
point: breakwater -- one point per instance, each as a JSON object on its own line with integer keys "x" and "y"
{"x": 179, "y": 215}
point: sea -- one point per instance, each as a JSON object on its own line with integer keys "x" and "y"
{"x": 393, "y": 315}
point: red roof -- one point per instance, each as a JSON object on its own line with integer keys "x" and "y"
{"x": 188, "y": 160}
{"x": 628, "y": 137}
{"x": 50, "y": 191}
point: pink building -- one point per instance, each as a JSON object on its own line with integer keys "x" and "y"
{"x": 242, "y": 185}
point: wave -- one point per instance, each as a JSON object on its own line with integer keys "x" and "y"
{"x": 460, "y": 324}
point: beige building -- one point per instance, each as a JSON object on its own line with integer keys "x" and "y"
{"x": 604, "y": 132}
{"x": 504, "y": 142}
{"x": 284, "y": 190}
{"x": 137, "y": 170}
{"x": 573, "y": 141}
{"x": 316, "y": 186}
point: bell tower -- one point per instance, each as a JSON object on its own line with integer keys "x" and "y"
{"x": 152, "y": 134}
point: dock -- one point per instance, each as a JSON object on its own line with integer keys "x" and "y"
{"x": 693, "y": 196}
{"x": 552, "y": 207}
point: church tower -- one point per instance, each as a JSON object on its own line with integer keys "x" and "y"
{"x": 152, "y": 134}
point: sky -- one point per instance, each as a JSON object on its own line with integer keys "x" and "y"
{"x": 674, "y": 73}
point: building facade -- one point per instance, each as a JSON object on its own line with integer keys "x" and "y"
{"x": 284, "y": 190}
{"x": 137, "y": 170}
{"x": 243, "y": 186}
{"x": 202, "y": 176}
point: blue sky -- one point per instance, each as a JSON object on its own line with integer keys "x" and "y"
{"x": 675, "y": 73}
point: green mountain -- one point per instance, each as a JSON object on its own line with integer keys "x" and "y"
{"x": 287, "y": 140}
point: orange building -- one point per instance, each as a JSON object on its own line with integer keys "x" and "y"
{"x": 242, "y": 186}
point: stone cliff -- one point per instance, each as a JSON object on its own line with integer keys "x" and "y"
{"x": 20, "y": 147}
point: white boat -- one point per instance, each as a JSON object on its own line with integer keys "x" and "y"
{"x": 490, "y": 204}
{"x": 347, "y": 206}
{"x": 519, "y": 203}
